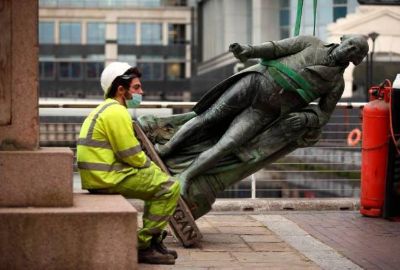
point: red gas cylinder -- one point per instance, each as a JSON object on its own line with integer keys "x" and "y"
{"x": 375, "y": 128}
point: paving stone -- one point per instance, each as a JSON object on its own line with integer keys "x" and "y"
{"x": 276, "y": 247}
{"x": 372, "y": 243}
{"x": 279, "y": 266}
{"x": 206, "y": 246}
{"x": 306, "y": 242}
{"x": 271, "y": 238}
{"x": 244, "y": 230}
{"x": 236, "y": 223}
{"x": 222, "y": 238}
{"x": 275, "y": 257}
{"x": 210, "y": 256}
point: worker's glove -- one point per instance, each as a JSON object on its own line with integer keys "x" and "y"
{"x": 241, "y": 52}
{"x": 296, "y": 121}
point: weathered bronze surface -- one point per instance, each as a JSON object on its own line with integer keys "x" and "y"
{"x": 255, "y": 116}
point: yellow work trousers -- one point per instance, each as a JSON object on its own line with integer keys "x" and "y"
{"x": 160, "y": 193}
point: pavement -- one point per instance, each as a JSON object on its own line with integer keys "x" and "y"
{"x": 327, "y": 239}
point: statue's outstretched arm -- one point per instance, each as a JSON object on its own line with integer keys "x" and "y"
{"x": 271, "y": 49}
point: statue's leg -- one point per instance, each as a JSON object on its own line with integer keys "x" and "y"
{"x": 242, "y": 129}
{"x": 232, "y": 102}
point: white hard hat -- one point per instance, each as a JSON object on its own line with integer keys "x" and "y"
{"x": 112, "y": 71}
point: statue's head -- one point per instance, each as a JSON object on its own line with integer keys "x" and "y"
{"x": 352, "y": 48}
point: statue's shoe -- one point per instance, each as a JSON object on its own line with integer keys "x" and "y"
{"x": 184, "y": 183}
{"x": 161, "y": 149}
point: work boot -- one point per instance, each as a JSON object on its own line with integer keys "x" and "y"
{"x": 152, "y": 256}
{"x": 157, "y": 244}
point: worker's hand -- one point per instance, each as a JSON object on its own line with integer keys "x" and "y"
{"x": 296, "y": 121}
{"x": 241, "y": 52}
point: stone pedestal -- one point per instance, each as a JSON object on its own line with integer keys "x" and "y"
{"x": 98, "y": 232}
{"x": 73, "y": 232}
{"x": 36, "y": 178}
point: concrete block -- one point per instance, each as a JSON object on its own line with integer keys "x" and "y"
{"x": 98, "y": 232}
{"x": 36, "y": 178}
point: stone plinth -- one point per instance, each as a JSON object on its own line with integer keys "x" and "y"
{"x": 36, "y": 178}
{"x": 98, "y": 232}
{"x": 19, "y": 125}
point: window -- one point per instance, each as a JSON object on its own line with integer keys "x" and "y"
{"x": 94, "y": 65}
{"x": 152, "y": 68}
{"x": 151, "y": 33}
{"x": 128, "y": 58}
{"x": 126, "y": 33}
{"x": 46, "y": 32}
{"x": 284, "y": 19}
{"x": 46, "y": 70}
{"x": 176, "y": 34}
{"x": 69, "y": 70}
{"x": 175, "y": 71}
{"x": 96, "y": 33}
{"x": 94, "y": 69}
{"x": 339, "y": 9}
{"x": 70, "y": 33}
{"x": 149, "y": 3}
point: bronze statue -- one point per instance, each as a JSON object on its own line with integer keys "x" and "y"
{"x": 256, "y": 115}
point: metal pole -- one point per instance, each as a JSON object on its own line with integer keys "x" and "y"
{"x": 253, "y": 186}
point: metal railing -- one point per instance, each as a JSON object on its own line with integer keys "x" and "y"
{"x": 330, "y": 168}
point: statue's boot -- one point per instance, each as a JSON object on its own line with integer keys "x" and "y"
{"x": 162, "y": 149}
{"x": 157, "y": 243}
{"x": 152, "y": 256}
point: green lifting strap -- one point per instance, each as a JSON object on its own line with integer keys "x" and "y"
{"x": 298, "y": 17}
{"x": 304, "y": 89}
{"x": 315, "y": 14}
{"x": 299, "y": 14}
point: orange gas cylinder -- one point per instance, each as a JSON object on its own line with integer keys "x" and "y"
{"x": 375, "y": 128}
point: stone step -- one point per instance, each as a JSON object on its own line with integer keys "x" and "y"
{"x": 40, "y": 178}
{"x": 97, "y": 232}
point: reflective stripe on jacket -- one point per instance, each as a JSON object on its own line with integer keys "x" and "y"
{"x": 107, "y": 149}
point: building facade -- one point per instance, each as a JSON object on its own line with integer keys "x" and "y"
{"x": 222, "y": 22}
{"x": 78, "y": 38}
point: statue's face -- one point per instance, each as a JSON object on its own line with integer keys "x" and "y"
{"x": 351, "y": 49}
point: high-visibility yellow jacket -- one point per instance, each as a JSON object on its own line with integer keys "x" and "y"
{"x": 107, "y": 149}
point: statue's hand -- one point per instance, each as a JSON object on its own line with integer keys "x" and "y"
{"x": 296, "y": 121}
{"x": 241, "y": 52}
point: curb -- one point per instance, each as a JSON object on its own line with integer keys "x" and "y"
{"x": 265, "y": 205}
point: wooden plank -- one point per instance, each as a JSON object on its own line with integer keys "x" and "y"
{"x": 182, "y": 221}
{"x": 5, "y": 62}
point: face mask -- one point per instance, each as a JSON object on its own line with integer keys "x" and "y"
{"x": 134, "y": 102}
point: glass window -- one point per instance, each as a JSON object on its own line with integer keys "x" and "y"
{"x": 176, "y": 34}
{"x": 151, "y": 71}
{"x": 152, "y": 68}
{"x": 96, "y": 33}
{"x": 126, "y": 33}
{"x": 175, "y": 71}
{"x": 70, "y": 70}
{"x": 339, "y": 9}
{"x": 47, "y": 70}
{"x": 70, "y": 33}
{"x": 151, "y": 33}
{"x": 284, "y": 19}
{"x": 94, "y": 69}
{"x": 131, "y": 59}
{"x": 149, "y": 3}
{"x": 46, "y": 32}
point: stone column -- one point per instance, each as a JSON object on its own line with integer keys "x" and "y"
{"x": 43, "y": 225}
{"x": 30, "y": 176}
{"x": 19, "y": 126}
